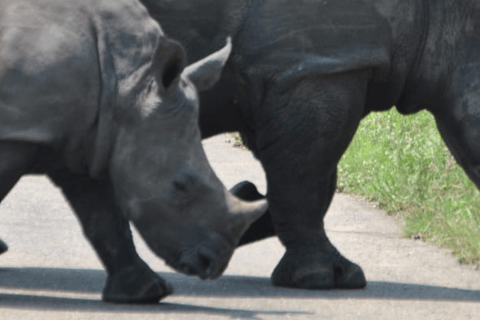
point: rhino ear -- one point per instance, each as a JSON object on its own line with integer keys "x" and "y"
{"x": 169, "y": 61}
{"x": 206, "y": 72}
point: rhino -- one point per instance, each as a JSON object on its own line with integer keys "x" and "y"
{"x": 303, "y": 74}
{"x": 94, "y": 95}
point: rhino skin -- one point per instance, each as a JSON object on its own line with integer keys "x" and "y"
{"x": 95, "y": 96}
{"x": 302, "y": 75}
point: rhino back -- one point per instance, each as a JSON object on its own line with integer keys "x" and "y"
{"x": 47, "y": 82}
{"x": 292, "y": 39}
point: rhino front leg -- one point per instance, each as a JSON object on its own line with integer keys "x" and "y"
{"x": 15, "y": 160}
{"x": 129, "y": 280}
{"x": 299, "y": 144}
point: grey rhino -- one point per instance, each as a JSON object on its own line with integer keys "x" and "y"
{"x": 94, "y": 95}
{"x": 302, "y": 75}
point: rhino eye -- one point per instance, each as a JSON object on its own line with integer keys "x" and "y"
{"x": 181, "y": 188}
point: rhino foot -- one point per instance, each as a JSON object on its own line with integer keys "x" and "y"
{"x": 135, "y": 285}
{"x": 317, "y": 270}
{"x": 3, "y": 247}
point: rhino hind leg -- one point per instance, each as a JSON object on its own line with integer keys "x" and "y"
{"x": 312, "y": 262}
{"x": 299, "y": 151}
{"x": 129, "y": 279}
{"x": 263, "y": 227}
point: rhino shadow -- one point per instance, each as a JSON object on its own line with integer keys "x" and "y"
{"x": 86, "y": 281}
{"x": 34, "y": 302}
{"x": 91, "y": 281}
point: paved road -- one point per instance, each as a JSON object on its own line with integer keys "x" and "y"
{"x": 50, "y": 272}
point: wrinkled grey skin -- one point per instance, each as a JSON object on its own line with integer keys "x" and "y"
{"x": 95, "y": 96}
{"x": 302, "y": 75}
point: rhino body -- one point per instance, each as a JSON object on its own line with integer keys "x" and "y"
{"x": 94, "y": 95}
{"x": 302, "y": 75}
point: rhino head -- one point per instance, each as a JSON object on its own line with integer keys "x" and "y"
{"x": 161, "y": 176}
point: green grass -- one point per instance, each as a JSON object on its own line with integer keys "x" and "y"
{"x": 238, "y": 143}
{"x": 402, "y": 163}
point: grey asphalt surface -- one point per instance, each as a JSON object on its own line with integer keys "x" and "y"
{"x": 50, "y": 271}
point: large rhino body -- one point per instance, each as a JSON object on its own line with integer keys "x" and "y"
{"x": 95, "y": 96}
{"x": 302, "y": 75}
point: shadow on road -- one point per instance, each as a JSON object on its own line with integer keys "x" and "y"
{"x": 34, "y": 302}
{"x": 91, "y": 281}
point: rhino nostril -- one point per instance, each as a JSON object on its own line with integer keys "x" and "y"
{"x": 188, "y": 269}
{"x": 204, "y": 263}
{"x": 197, "y": 264}
{"x": 206, "y": 266}
{"x": 209, "y": 260}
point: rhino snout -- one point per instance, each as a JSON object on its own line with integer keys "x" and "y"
{"x": 205, "y": 262}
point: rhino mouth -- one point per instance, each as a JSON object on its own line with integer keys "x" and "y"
{"x": 204, "y": 261}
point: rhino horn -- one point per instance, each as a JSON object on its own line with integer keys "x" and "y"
{"x": 206, "y": 72}
{"x": 245, "y": 213}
